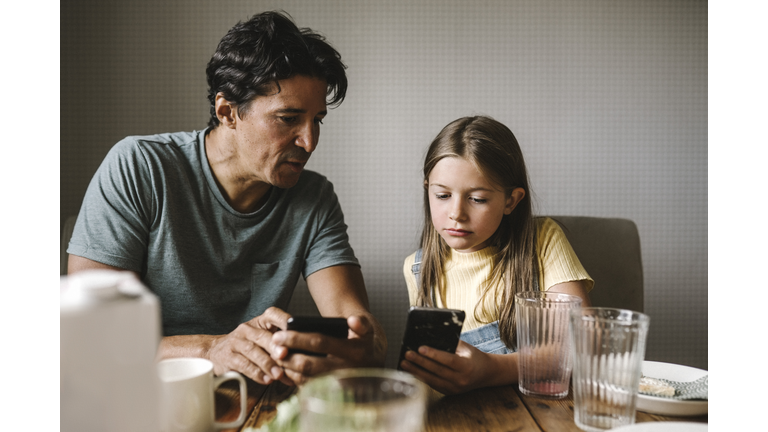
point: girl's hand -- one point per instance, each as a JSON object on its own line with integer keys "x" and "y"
{"x": 448, "y": 373}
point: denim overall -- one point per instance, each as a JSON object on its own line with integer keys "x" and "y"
{"x": 486, "y": 338}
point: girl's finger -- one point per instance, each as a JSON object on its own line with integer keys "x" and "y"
{"x": 426, "y": 377}
{"x": 442, "y": 357}
{"x": 433, "y": 366}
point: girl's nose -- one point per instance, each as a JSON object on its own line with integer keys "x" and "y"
{"x": 457, "y": 212}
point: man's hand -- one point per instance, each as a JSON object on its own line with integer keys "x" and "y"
{"x": 259, "y": 348}
{"x": 358, "y": 350}
{"x": 247, "y": 349}
{"x": 338, "y": 291}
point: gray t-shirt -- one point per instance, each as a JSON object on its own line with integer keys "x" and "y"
{"x": 153, "y": 207}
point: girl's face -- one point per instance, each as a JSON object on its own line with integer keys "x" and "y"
{"x": 466, "y": 208}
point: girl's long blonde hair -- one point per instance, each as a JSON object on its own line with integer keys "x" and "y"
{"x": 493, "y": 150}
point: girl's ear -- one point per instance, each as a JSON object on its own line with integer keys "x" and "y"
{"x": 514, "y": 199}
{"x": 225, "y": 111}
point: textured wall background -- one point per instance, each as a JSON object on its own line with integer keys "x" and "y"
{"x": 608, "y": 100}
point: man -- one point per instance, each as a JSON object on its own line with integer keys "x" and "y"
{"x": 220, "y": 223}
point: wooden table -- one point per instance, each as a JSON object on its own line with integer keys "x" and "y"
{"x": 490, "y": 409}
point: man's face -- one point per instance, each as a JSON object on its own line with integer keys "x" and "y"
{"x": 276, "y": 136}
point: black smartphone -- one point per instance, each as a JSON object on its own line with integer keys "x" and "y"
{"x": 335, "y": 327}
{"x": 434, "y": 327}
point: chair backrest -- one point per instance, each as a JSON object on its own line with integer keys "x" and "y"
{"x": 609, "y": 249}
{"x": 66, "y": 234}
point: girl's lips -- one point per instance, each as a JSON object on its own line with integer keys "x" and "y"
{"x": 457, "y": 232}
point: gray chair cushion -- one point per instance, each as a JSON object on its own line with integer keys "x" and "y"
{"x": 609, "y": 249}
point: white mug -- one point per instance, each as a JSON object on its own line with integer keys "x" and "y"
{"x": 187, "y": 397}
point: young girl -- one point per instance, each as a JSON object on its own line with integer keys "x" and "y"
{"x": 479, "y": 246}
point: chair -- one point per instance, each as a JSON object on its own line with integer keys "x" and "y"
{"x": 609, "y": 249}
{"x": 66, "y": 234}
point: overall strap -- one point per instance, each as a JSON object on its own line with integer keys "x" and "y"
{"x": 416, "y": 269}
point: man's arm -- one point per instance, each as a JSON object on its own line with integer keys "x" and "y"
{"x": 259, "y": 349}
{"x": 77, "y": 263}
{"x": 243, "y": 350}
{"x": 338, "y": 291}
{"x": 246, "y": 349}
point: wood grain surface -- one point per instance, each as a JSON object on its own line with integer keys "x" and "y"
{"x": 502, "y": 409}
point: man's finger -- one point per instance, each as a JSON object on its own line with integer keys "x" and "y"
{"x": 263, "y": 360}
{"x": 295, "y": 377}
{"x": 318, "y": 343}
{"x": 360, "y": 325}
{"x": 272, "y": 318}
{"x": 242, "y": 364}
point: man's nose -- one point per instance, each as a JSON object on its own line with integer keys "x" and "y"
{"x": 308, "y": 137}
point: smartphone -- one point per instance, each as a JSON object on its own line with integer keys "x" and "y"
{"x": 334, "y": 327}
{"x": 434, "y": 327}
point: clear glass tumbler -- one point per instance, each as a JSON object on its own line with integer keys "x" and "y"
{"x": 543, "y": 342}
{"x": 608, "y": 348}
{"x": 363, "y": 400}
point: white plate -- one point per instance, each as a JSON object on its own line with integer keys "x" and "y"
{"x": 663, "y": 427}
{"x": 666, "y": 406}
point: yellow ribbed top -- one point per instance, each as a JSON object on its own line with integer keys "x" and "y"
{"x": 465, "y": 274}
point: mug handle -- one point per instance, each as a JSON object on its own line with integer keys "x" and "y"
{"x": 217, "y": 381}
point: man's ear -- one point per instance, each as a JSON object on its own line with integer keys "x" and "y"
{"x": 514, "y": 199}
{"x": 226, "y": 111}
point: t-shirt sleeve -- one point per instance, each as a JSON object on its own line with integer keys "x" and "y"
{"x": 330, "y": 244}
{"x": 558, "y": 262}
{"x": 113, "y": 224}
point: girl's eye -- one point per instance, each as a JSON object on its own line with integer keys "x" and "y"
{"x": 442, "y": 196}
{"x": 479, "y": 200}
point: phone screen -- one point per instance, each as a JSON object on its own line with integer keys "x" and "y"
{"x": 434, "y": 327}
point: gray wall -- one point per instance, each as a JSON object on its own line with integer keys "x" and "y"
{"x": 607, "y": 98}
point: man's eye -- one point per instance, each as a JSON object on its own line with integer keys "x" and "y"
{"x": 288, "y": 120}
{"x": 318, "y": 121}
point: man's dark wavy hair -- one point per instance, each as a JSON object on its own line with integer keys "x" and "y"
{"x": 254, "y": 55}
